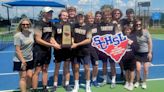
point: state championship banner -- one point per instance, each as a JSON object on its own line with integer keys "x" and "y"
{"x": 112, "y": 45}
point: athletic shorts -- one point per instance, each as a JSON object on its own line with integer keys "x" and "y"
{"x": 41, "y": 58}
{"x": 129, "y": 64}
{"x": 103, "y": 57}
{"x": 83, "y": 60}
{"x": 94, "y": 56}
{"x": 142, "y": 57}
{"x": 17, "y": 66}
{"x": 62, "y": 55}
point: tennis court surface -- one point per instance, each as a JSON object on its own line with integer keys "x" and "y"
{"x": 9, "y": 79}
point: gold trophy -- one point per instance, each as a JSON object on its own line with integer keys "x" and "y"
{"x": 66, "y": 37}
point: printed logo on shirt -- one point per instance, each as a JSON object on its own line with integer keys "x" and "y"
{"x": 47, "y": 29}
{"x": 94, "y": 30}
{"x": 106, "y": 28}
{"x": 80, "y": 31}
{"x": 59, "y": 31}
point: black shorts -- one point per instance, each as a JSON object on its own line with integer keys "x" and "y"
{"x": 142, "y": 57}
{"x": 62, "y": 55}
{"x": 41, "y": 58}
{"x": 103, "y": 57}
{"x": 85, "y": 60}
{"x": 17, "y": 66}
{"x": 94, "y": 57}
{"x": 129, "y": 64}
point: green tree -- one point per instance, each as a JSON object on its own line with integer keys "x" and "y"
{"x": 106, "y": 7}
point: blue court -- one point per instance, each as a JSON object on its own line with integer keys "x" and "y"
{"x": 9, "y": 79}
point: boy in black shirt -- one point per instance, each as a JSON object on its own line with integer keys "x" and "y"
{"x": 62, "y": 53}
{"x": 81, "y": 39}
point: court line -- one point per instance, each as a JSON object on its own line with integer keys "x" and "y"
{"x": 50, "y": 71}
{"x": 1, "y": 52}
{"x": 155, "y": 79}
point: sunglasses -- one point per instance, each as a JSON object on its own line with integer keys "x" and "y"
{"x": 138, "y": 24}
{"x": 25, "y": 24}
{"x": 116, "y": 13}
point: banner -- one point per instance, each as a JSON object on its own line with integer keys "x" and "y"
{"x": 112, "y": 45}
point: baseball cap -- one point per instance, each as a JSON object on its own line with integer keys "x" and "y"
{"x": 47, "y": 9}
{"x": 130, "y": 10}
{"x": 80, "y": 14}
{"x": 71, "y": 8}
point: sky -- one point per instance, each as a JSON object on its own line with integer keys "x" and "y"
{"x": 81, "y": 5}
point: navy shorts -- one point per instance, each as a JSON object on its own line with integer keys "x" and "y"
{"x": 41, "y": 58}
{"x": 17, "y": 66}
{"x": 83, "y": 60}
{"x": 142, "y": 57}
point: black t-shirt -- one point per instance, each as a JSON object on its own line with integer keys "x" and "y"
{"x": 106, "y": 28}
{"x": 128, "y": 22}
{"x": 131, "y": 49}
{"x": 58, "y": 32}
{"x": 46, "y": 31}
{"x": 80, "y": 33}
{"x": 94, "y": 29}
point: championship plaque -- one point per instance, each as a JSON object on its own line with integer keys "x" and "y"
{"x": 66, "y": 36}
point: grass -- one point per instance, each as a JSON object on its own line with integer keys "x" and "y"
{"x": 3, "y": 29}
{"x": 152, "y": 86}
{"x": 156, "y": 30}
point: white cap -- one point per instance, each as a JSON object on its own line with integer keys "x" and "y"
{"x": 47, "y": 9}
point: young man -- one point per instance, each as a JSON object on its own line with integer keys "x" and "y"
{"x": 62, "y": 53}
{"x": 81, "y": 40}
{"x": 42, "y": 48}
{"x": 107, "y": 27}
{"x": 93, "y": 52}
{"x": 130, "y": 17}
{"x": 71, "y": 15}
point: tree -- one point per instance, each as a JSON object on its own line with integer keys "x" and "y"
{"x": 106, "y": 7}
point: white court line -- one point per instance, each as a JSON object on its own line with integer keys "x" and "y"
{"x": 50, "y": 71}
{"x": 1, "y": 52}
{"x": 156, "y": 79}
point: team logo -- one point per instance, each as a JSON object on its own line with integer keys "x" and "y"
{"x": 112, "y": 45}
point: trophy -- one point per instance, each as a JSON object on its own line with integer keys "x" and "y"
{"x": 66, "y": 37}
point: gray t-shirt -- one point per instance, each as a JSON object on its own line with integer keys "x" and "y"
{"x": 26, "y": 45}
{"x": 143, "y": 41}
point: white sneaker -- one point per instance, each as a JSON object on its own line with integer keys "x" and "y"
{"x": 76, "y": 89}
{"x": 113, "y": 85}
{"x": 126, "y": 85}
{"x": 136, "y": 85}
{"x": 144, "y": 86}
{"x": 88, "y": 89}
{"x": 130, "y": 87}
{"x": 103, "y": 83}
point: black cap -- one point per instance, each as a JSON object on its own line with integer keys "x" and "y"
{"x": 80, "y": 14}
{"x": 129, "y": 11}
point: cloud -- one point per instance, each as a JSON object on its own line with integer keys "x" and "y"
{"x": 143, "y": 0}
{"x": 120, "y": 3}
{"x": 84, "y": 2}
{"x": 131, "y": 4}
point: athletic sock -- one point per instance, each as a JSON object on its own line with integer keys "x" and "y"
{"x": 87, "y": 83}
{"x": 66, "y": 83}
{"x": 94, "y": 78}
{"x": 55, "y": 83}
{"x": 113, "y": 79}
